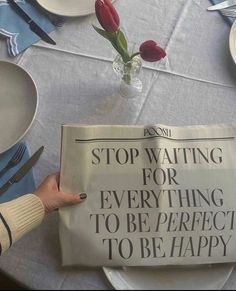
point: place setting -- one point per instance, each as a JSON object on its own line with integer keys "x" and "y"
{"x": 18, "y": 108}
{"x": 160, "y": 208}
{"x": 32, "y": 21}
{"x": 228, "y": 10}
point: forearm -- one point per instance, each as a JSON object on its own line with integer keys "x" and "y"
{"x": 18, "y": 217}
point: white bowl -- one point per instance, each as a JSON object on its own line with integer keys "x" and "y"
{"x": 18, "y": 104}
{"x": 232, "y": 41}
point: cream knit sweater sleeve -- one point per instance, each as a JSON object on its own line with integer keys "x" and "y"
{"x": 18, "y": 217}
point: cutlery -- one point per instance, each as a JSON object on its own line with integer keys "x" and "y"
{"x": 222, "y": 5}
{"x": 33, "y": 25}
{"x": 16, "y": 158}
{"x": 22, "y": 171}
{"x": 229, "y": 12}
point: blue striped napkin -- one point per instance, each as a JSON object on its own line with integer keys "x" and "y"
{"x": 230, "y": 20}
{"x": 25, "y": 186}
{"x": 17, "y": 31}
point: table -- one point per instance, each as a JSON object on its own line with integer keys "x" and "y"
{"x": 196, "y": 84}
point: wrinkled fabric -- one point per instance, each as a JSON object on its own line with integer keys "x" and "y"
{"x": 16, "y": 30}
{"x": 194, "y": 84}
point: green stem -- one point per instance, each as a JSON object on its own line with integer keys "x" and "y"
{"x": 126, "y": 58}
{"x": 127, "y": 79}
{"x": 127, "y": 74}
{"x": 134, "y": 55}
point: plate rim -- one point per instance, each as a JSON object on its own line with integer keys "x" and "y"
{"x": 86, "y": 13}
{"x": 126, "y": 287}
{"x": 35, "y": 109}
{"x": 232, "y": 41}
{"x": 67, "y": 14}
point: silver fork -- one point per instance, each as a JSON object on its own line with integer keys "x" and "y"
{"x": 229, "y": 12}
{"x": 16, "y": 158}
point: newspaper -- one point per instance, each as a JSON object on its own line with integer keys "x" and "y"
{"x": 157, "y": 195}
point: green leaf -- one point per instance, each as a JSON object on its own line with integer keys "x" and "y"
{"x": 108, "y": 35}
{"x": 121, "y": 40}
{"x": 122, "y": 46}
{"x": 118, "y": 41}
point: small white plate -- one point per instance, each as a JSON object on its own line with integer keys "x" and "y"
{"x": 68, "y": 7}
{"x": 18, "y": 104}
{"x": 232, "y": 41}
{"x": 211, "y": 277}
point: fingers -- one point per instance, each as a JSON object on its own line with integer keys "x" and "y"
{"x": 83, "y": 196}
{"x": 57, "y": 178}
{"x": 74, "y": 199}
{"x": 53, "y": 180}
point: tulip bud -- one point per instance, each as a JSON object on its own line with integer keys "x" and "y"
{"x": 107, "y": 15}
{"x": 151, "y": 52}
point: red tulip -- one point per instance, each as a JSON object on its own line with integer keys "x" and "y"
{"x": 107, "y": 15}
{"x": 150, "y": 51}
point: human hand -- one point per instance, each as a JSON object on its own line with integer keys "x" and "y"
{"x": 52, "y": 198}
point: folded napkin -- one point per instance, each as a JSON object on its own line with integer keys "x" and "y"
{"x": 19, "y": 36}
{"x": 24, "y": 186}
{"x": 230, "y": 20}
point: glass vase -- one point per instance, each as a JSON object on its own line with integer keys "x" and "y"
{"x": 130, "y": 84}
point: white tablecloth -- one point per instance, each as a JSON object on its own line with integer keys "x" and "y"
{"x": 195, "y": 84}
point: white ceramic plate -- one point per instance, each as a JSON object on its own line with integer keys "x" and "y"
{"x": 18, "y": 104}
{"x": 202, "y": 277}
{"x": 68, "y": 7}
{"x": 232, "y": 41}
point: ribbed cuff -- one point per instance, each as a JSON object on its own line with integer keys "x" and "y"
{"x": 23, "y": 215}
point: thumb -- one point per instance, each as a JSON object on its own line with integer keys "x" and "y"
{"x": 74, "y": 199}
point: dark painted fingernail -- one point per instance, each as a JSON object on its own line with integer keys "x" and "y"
{"x": 83, "y": 196}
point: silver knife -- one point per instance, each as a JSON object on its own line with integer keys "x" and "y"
{"x": 22, "y": 171}
{"x": 222, "y": 5}
{"x": 32, "y": 24}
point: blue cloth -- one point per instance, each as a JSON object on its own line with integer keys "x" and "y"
{"x": 230, "y": 20}
{"x": 19, "y": 36}
{"x": 24, "y": 186}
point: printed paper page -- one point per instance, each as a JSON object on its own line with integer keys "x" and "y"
{"x": 157, "y": 195}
